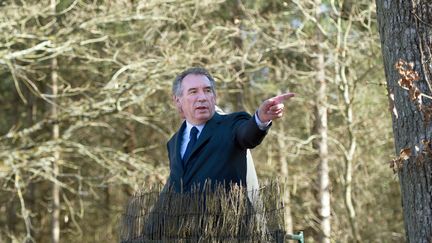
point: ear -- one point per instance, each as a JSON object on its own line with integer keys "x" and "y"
{"x": 176, "y": 100}
{"x": 177, "y": 103}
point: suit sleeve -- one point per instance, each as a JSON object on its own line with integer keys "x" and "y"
{"x": 246, "y": 131}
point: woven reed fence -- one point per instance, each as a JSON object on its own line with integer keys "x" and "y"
{"x": 210, "y": 215}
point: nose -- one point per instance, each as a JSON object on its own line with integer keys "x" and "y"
{"x": 202, "y": 96}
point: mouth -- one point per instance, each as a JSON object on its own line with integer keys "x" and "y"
{"x": 201, "y": 108}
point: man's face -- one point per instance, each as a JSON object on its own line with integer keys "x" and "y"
{"x": 197, "y": 102}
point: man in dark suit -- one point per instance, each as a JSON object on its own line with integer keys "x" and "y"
{"x": 210, "y": 147}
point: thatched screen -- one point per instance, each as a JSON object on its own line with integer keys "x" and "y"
{"x": 212, "y": 215}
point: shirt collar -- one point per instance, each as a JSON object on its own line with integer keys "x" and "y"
{"x": 189, "y": 127}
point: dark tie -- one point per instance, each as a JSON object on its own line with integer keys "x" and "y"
{"x": 192, "y": 140}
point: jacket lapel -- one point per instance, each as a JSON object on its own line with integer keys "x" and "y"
{"x": 206, "y": 134}
{"x": 177, "y": 165}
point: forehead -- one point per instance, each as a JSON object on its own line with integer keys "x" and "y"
{"x": 195, "y": 81}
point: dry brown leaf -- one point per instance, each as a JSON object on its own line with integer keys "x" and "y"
{"x": 405, "y": 154}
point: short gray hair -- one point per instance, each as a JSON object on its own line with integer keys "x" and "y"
{"x": 177, "y": 84}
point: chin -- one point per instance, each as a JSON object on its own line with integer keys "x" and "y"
{"x": 203, "y": 117}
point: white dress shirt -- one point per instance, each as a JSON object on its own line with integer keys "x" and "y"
{"x": 185, "y": 137}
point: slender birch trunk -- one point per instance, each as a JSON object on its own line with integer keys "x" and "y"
{"x": 323, "y": 167}
{"x": 55, "y": 214}
{"x": 322, "y": 130}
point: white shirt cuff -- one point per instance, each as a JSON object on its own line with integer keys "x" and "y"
{"x": 261, "y": 125}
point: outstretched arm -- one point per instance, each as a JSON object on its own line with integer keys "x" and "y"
{"x": 272, "y": 108}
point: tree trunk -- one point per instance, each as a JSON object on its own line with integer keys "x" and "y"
{"x": 349, "y": 159}
{"x": 405, "y": 30}
{"x": 55, "y": 214}
{"x": 284, "y": 173}
{"x": 323, "y": 167}
{"x": 322, "y": 144}
{"x": 55, "y": 226}
{"x": 347, "y": 88}
{"x": 238, "y": 43}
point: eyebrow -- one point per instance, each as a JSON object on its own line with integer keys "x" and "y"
{"x": 195, "y": 88}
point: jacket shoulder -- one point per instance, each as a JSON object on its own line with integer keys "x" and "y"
{"x": 237, "y": 115}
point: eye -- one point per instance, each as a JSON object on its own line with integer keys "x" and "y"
{"x": 208, "y": 90}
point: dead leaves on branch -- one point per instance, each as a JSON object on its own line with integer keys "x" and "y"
{"x": 408, "y": 77}
{"x": 397, "y": 163}
{"x": 422, "y": 153}
{"x": 409, "y": 81}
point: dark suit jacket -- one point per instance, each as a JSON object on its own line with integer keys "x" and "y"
{"x": 219, "y": 155}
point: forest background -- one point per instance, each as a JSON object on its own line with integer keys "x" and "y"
{"x": 85, "y": 102}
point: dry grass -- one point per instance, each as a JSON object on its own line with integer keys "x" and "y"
{"x": 211, "y": 215}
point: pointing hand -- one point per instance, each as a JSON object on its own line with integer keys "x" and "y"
{"x": 273, "y": 108}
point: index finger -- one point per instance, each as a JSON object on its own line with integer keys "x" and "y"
{"x": 282, "y": 97}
